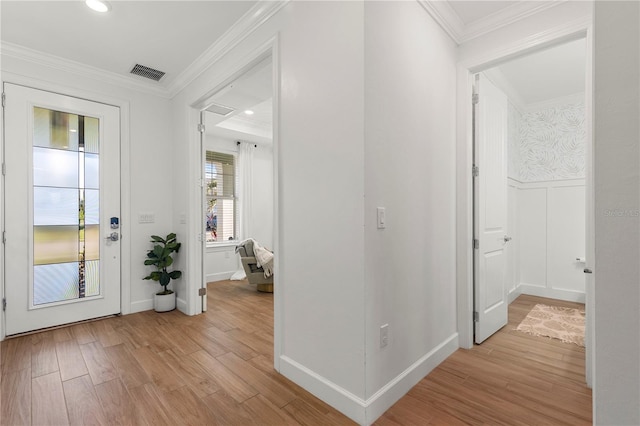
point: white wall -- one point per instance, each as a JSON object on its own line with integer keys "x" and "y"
{"x": 410, "y": 170}
{"x": 147, "y": 177}
{"x": 617, "y": 200}
{"x": 550, "y": 222}
{"x": 221, "y": 261}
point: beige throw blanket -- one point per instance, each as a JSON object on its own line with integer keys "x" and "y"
{"x": 264, "y": 258}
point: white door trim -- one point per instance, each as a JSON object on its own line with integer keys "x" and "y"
{"x": 464, "y": 149}
{"x": 195, "y": 248}
{"x": 125, "y": 176}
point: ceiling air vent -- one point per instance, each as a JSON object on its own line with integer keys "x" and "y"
{"x": 219, "y": 109}
{"x": 147, "y": 72}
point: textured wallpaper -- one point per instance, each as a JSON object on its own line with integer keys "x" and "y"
{"x": 551, "y": 145}
{"x": 514, "y": 119}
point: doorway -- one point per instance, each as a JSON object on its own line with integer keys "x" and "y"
{"x": 62, "y": 209}
{"x": 466, "y": 251}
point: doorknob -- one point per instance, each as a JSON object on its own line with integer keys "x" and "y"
{"x": 114, "y": 236}
{"x": 507, "y": 238}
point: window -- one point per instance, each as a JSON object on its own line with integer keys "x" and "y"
{"x": 220, "y": 190}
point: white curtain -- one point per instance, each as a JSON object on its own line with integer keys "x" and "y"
{"x": 245, "y": 184}
{"x": 245, "y": 195}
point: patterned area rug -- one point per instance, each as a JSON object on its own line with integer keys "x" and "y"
{"x": 566, "y": 324}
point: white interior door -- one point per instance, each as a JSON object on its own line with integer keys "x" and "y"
{"x": 62, "y": 209}
{"x": 490, "y": 210}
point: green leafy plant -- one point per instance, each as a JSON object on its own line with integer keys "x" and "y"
{"x": 160, "y": 257}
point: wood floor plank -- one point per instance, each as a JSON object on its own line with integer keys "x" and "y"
{"x": 83, "y": 405}
{"x": 127, "y": 367}
{"x": 104, "y": 331}
{"x": 161, "y": 374}
{"x": 265, "y": 385}
{"x": 150, "y": 408}
{"x": 100, "y": 367}
{"x": 210, "y": 345}
{"x": 70, "y": 360}
{"x": 227, "y": 410}
{"x": 181, "y": 342}
{"x": 16, "y": 397}
{"x": 43, "y": 354}
{"x": 16, "y": 354}
{"x": 239, "y": 348}
{"x": 186, "y": 407}
{"x": 265, "y": 413}
{"x": 82, "y": 333}
{"x": 233, "y": 385}
{"x": 48, "y": 404}
{"x": 196, "y": 378}
{"x": 116, "y": 403}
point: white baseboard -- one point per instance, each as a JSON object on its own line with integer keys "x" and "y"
{"x": 513, "y": 294}
{"x": 219, "y": 276}
{"x": 365, "y": 412}
{"x": 552, "y": 293}
{"x": 181, "y": 304}
{"x": 390, "y": 393}
{"x": 141, "y": 305}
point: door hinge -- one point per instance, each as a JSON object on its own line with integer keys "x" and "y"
{"x": 476, "y": 316}
{"x": 4, "y": 169}
{"x": 475, "y": 98}
{"x": 201, "y": 183}
{"x": 201, "y": 127}
{"x": 4, "y": 237}
{"x": 202, "y": 291}
{"x": 475, "y": 170}
{"x": 4, "y": 99}
{"x": 4, "y": 303}
{"x": 476, "y": 243}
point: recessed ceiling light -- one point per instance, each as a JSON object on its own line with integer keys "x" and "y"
{"x": 98, "y": 5}
{"x": 248, "y": 112}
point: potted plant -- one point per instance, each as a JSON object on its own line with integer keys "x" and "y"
{"x": 160, "y": 258}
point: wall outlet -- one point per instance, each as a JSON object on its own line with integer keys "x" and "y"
{"x": 382, "y": 217}
{"x": 384, "y": 335}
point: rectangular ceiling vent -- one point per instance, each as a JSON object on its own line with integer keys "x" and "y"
{"x": 220, "y": 109}
{"x": 147, "y": 72}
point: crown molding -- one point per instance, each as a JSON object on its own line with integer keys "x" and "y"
{"x": 446, "y": 17}
{"x": 245, "y": 26}
{"x": 44, "y": 59}
{"x": 442, "y": 12}
{"x": 506, "y": 16}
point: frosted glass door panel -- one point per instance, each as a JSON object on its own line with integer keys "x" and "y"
{"x": 55, "y": 167}
{"x": 55, "y": 244}
{"x": 55, "y": 129}
{"x": 54, "y": 283}
{"x": 91, "y": 171}
{"x": 55, "y": 206}
{"x": 91, "y": 207}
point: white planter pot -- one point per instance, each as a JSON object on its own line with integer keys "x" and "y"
{"x": 164, "y": 302}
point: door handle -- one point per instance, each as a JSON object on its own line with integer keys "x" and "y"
{"x": 587, "y": 271}
{"x": 507, "y": 238}
{"x": 114, "y": 236}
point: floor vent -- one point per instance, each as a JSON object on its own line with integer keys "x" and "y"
{"x": 147, "y": 72}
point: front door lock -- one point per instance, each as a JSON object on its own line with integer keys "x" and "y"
{"x": 114, "y": 236}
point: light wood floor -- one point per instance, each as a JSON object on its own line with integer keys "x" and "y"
{"x": 217, "y": 368}
{"x": 511, "y": 379}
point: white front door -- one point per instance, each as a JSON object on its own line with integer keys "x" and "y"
{"x": 62, "y": 209}
{"x": 490, "y": 210}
